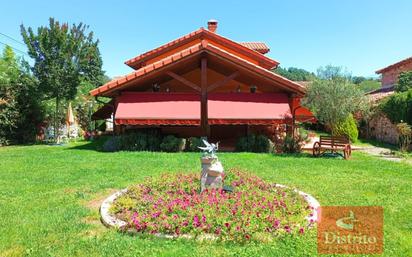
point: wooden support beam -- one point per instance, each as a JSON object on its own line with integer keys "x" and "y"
{"x": 223, "y": 81}
{"x": 203, "y": 107}
{"x": 183, "y": 80}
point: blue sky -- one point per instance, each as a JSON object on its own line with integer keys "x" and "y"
{"x": 362, "y": 35}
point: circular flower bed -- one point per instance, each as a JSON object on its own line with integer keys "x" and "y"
{"x": 173, "y": 205}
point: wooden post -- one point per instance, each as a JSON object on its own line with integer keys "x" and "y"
{"x": 203, "y": 107}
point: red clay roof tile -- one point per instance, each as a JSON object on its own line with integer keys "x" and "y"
{"x": 257, "y": 46}
{"x": 186, "y": 52}
{"x": 137, "y": 61}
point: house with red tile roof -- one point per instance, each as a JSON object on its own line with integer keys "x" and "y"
{"x": 389, "y": 78}
{"x": 203, "y": 84}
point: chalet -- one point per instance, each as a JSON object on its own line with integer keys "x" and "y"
{"x": 203, "y": 84}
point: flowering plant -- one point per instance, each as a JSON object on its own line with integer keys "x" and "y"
{"x": 173, "y": 205}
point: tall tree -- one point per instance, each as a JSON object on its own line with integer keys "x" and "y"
{"x": 20, "y": 109}
{"x": 63, "y": 56}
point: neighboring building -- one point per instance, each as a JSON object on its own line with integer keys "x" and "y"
{"x": 380, "y": 127}
{"x": 391, "y": 73}
{"x": 389, "y": 78}
{"x": 203, "y": 84}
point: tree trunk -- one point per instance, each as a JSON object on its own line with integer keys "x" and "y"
{"x": 56, "y": 120}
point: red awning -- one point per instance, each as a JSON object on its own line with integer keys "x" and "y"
{"x": 158, "y": 109}
{"x": 302, "y": 114}
{"x": 247, "y": 108}
{"x": 105, "y": 112}
{"x": 184, "y": 109}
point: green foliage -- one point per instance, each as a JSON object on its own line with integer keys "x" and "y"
{"x": 193, "y": 144}
{"x": 398, "y": 107}
{"x": 139, "y": 141}
{"x": 20, "y": 109}
{"x": 63, "y": 57}
{"x": 404, "y": 82}
{"x": 172, "y": 144}
{"x": 332, "y": 100}
{"x": 369, "y": 85}
{"x": 346, "y": 128}
{"x": 254, "y": 143}
{"x": 330, "y": 72}
{"x": 294, "y": 144}
{"x": 295, "y": 74}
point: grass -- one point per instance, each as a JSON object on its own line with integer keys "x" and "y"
{"x": 50, "y": 197}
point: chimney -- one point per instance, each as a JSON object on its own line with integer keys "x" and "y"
{"x": 212, "y": 25}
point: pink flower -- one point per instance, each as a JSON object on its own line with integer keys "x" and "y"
{"x": 196, "y": 222}
{"x": 203, "y": 218}
{"x": 301, "y": 230}
{"x": 287, "y": 229}
{"x": 156, "y": 214}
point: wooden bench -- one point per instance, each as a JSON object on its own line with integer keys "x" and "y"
{"x": 332, "y": 144}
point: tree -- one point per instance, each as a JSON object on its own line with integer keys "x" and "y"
{"x": 333, "y": 100}
{"x": 332, "y": 72}
{"x": 358, "y": 79}
{"x": 295, "y": 74}
{"x": 20, "y": 109}
{"x": 404, "y": 82}
{"x": 63, "y": 57}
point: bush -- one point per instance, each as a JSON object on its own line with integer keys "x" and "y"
{"x": 112, "y": 144}
{"x": 139, "y": 141}
{"x": 193, "y": 144}
{"x": 254, "y": 143}
{"x": 405, "y": 136}
{"x": 347, "y": 128}
{"x": 172, "y": 144}
{"x": 398, "y": 107}
{"x": 293, "y": 144}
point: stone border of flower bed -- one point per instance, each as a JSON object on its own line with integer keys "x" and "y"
{"x": 111, "y": 221}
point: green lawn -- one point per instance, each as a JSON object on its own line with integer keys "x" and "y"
{"x": 50, "y": 197}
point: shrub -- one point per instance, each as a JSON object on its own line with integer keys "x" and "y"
{"x": 405, "y": 136}
{"x": 398, "y": 107}
{"x": 193, "y": 144}
{"x": 254, "y": 143}
{"x": 347, "y": 128}
{"x": 293, "y": 144}
{"x": 112, "y": 144}
{"x": 172, "y": 144}
{"x": 149, "y": 141}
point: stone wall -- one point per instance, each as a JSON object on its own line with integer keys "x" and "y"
{"x": 382, "y": 129}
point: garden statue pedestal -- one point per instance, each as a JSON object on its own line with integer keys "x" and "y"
{"x": 212, "y": 173}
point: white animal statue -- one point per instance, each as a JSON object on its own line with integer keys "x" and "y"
{"x": 212, "y": 170}
{"x": 209, "y": 148}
